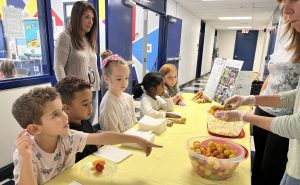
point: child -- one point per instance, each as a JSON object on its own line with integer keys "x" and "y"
{"x": 169, "y": 72}
{"x": 156, "y": 101}
{"x": 76, "y": 96}
{"x": 8, "y": 69}
{"x": 116, "y": 112}
{"x": 52, "y": 147}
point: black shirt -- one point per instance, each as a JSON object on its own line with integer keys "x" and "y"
{"x": 86, "y": 127}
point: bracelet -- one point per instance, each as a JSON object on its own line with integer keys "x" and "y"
{"x": 243, "y": 114}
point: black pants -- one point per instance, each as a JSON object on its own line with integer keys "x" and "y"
{"x": 270, "y": 155}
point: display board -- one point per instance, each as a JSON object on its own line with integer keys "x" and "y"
{"x": 243, "y": 83}
{"x": 221, "y": 82}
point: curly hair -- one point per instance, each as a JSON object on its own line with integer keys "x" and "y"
{"x": 28, "y": 108}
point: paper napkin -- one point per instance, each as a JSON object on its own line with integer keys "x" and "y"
{"x": 112, "y": 153}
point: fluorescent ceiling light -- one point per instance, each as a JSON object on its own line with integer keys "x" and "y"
{"x": 235, "y": 18}
{"x": 239, "y": 27}
{"x": 211, "y": 0}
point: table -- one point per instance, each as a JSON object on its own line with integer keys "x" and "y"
{"x": 169, "y": 165}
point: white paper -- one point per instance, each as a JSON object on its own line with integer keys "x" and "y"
{"x": 243, "y": 83}
{"x": 112, "y": 153}
{"x": 148, "y": 123}
{"x": 147, "y": 135}
{"x": 214, "y": 77}
{"x": 12, "y": 22}
{"x": 75, "y": 183}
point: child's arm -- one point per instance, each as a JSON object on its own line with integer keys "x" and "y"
{"x": 166, "y": 103}
{"x": 147, "y": 109}
{"x": 112, "y": 138}
{"x": 24, "y": 146}
{"x": 176, "y": 99}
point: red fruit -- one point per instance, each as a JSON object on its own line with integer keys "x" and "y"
{"x": 213, "y": 149}
{"x": 220, "y": 156}
{"x": 99, "y": 167}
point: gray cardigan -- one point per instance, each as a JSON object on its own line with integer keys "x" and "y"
{"x": 81, "y": 63}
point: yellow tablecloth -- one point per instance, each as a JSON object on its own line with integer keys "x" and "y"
{"x": 169, "y": 165}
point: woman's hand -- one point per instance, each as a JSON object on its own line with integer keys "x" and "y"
{"x": 237, "y": 101}
{"x": 231, "y": 115}
{"x": 147, "y": 146}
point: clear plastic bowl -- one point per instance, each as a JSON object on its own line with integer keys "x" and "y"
{"x": 224, "y": 128}
{"x": 212, "y": 167}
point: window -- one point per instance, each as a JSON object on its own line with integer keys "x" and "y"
{"x": 24, "y": 43}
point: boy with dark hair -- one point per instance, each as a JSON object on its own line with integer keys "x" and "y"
{"x": 76, "y": 96}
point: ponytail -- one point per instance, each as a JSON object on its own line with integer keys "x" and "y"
{"x": 137, "y": 91}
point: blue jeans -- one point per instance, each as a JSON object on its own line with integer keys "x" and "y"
{"x": 288, "y": 180}
{"x": 95, "y": 107}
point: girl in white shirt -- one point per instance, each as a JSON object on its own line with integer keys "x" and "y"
{"x": 156, "y": 101}
{"x": 116, "y": 112}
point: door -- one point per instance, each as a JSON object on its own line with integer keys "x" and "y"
{"x": 245, "y": 47}
{"x": 169, "y": 52}
{"x": 119, "y": 33}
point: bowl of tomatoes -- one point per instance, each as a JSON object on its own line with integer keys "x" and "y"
{"x": 213, "y": 157}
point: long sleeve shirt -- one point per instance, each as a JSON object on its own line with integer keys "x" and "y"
{"x": 117, "y": 113}
{"x": 289, "y": 127}
{"x": 80, "y": 63}
{"x": 156, "y": 108}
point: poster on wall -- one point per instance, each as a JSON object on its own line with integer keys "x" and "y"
{"x": 12, "y": 22}
{"x": 221, "y": 82}
{"x": 32, "y": 37}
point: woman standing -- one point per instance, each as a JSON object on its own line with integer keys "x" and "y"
{"x": 76, "y": 48}
{"x": 285, "y": 126}
{"x": 283, "y": 76}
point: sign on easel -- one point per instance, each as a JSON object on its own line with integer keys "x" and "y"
{"x": 220, "y": 84}
{"x": 243, "y": 83}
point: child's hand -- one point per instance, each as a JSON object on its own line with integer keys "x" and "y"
{"x": 165, "y": 94}
{"x": 176, "y": 99}
{"x": 24, "y": 144}
{"x": 147, "y": 146}
{"x": 170, "y": 115}
{"x": 181, "y": 103}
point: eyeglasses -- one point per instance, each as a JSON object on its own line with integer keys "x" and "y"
{"x": 91, "y": 75}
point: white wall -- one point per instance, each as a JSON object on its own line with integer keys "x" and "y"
{"x": 189, "y": 41}
{"x": 225, "y": 43}
{"x": 259, "y": 58}
{"x": 9, "y": 127}
{"x": 208, "y": 47}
